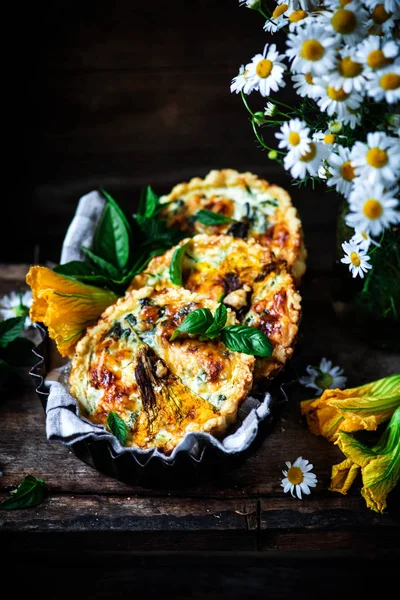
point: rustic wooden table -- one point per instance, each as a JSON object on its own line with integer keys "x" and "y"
{"x": 239, "y": 513}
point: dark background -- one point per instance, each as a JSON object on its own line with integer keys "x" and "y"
{"x": 126, "y": 93}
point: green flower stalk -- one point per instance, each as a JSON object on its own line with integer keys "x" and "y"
{"x": 379, "y": 465}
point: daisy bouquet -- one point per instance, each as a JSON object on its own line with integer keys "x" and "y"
{"x": 342, "y": 58}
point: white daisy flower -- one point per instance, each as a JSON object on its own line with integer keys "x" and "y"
{"x": 16, "y": 305}
{"x": 394, "y": 124}
{"x": 382, "y": 20}
{"x": 357, "y": 259}
{"x": 372, "y": 208}
{"x": 241, "y": 83}
{"x": 363, "y": 240}
{"x": 341, "y": 170}
{"x": 348, "y": 74}
{"x": 265, "y": 72}
{"x": 376, "y": 53}
{"x": 336, "y": 100}
{"x": 294, "y": 135}
{"x": 270, "y": 109}
{"x": 378, "y": 159}
{"x": 335, "y": 126}
{"x": 312, "y": 49}
{"x": 385, "y": 84}
{"x": 301, "y": 4}
{"x": 350, "y": 116}
{"x": 298, "y": 477}
{"x": 278, "y": 19}
{"x": 308, "y": 162}
{"x": 388, "y": 5}
{"x": 326, "y": 137}
{"x": 347, "y": 21}
{"x": 324, "y": 377}
{"x": 254, "y": 4}
{"x": 304, "y": 85}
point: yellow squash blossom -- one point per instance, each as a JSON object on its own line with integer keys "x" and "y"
{"x": 67, "y": 307}
{"x": 363, "y": 407}
{"x": 380, "y": 465}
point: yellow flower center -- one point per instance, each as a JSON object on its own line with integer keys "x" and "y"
{"x": 344, "y": 21}
{"x": 282, "y": 8}
{"x": 344, "y": 2}
{"x": 379, "y": 14}
{"x": 294, "y": 138}
{"x": 330, "y": 138}
{"x": 309, "y": 79}
{"x": 376, "y": 59}
{"x": 390, "y": 81}
{"x": 312, "y": 50}
{"x": 376, "y": 157}
{"x": 264, "y": 68}
{"x": 349, "y": 68}
{"x": 347, "y": 171}
{"x": 295, "y": 475}
{"x": 355, "y": 259}
{"x": 297, "y": 15}
{"x": 373, "y": 209}
{"x": 307, "y": 156}
{"x": 338, "y": 95}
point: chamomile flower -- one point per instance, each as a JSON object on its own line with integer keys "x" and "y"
{"x": 341, "y": 170}
{"x": 16, "y": 305}
{"x": 348, "y": 74}
{"x": 357, "y": 259}
{"x": 301, "y": 4}
{"x": 298, "y": 478}
{"x": 241, "y": 83}
{"x": 336, "y": 100}
{"x": 305, "y": 86}
{"x": 254, "y": 4}
{"x": 388, "y": 5}
{"x": 265, "y": 72}
{"x": 312, "y": 49}
{"x": 350, "y": 116}
{"x": 294, "y": 135}
{"x": 376, "y": 53}
{"x": 278, "y": 18}
{"x": 326, "y": 137}
{"x": 394, "y": 124}
{"x": 307, "y": 162}
{"x": 270, "y": 109}
{"x": 385, "y": 84}
{"x": 347, "y": 21}
{"x": 324, "y": 377}
{"x": 381, "y": 19}
{"x": 378, "y": 159}
{"x": 363, "y": 240}
{"x": 372, "y": 209}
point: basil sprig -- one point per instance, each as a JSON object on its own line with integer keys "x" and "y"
{"x": 208, "y": 217}
{"x": 117, "y": 426}
{"x": 30, "y": 492}
{"x": 123, "y": 244}
{"x": 238, "y": 338}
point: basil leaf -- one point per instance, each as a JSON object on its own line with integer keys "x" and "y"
{"x": 175, "y": 268}
{"x": 107, "y": 268}
{"x": 220, "y": 317}
{"x": 10, "y": 329}
{"x": 148, "y": 205}
{"x": 240, "y": 338}
{"x": 30, "y": 492}
{"x": 112, "y": 239}
{"x": 208, "y": 217}
{"x": 198, "y": 321}
{"x": 117, "y": 426}
{"x": 118, "y": 210}
{"x": 75, "y": 269}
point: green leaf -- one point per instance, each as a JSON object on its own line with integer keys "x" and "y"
{"x": 149, "y": 204}
{"x": 30, "y": 492}
{"x": 175, "y": 268}
{"x": 117, "y": 427}
{"x": 118, "y": 209}
{"x": 107, "y": 268}
{"x": 240, "y": 338}
{"x": 19, "y": 353}
{"x": 85, "y": 272}
{"x": 208, "y": 217}
{"x": 220, "y": 317}
{"x": 10, "y": 329}
{"x": 112, "y": 238}
{"x": 198, "y": 321}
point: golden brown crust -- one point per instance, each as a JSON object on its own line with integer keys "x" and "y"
{"x": 161, "y": 389}
{"x": 276, "y": 226}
